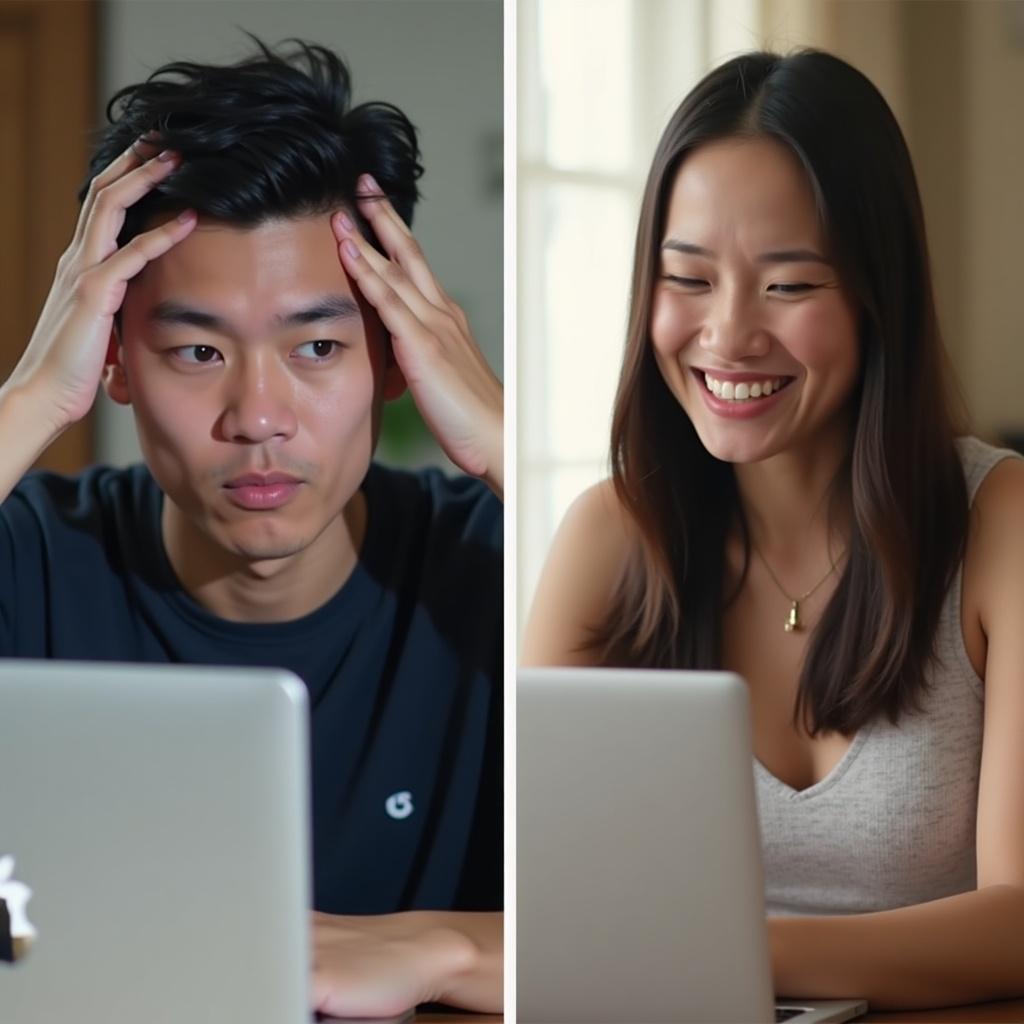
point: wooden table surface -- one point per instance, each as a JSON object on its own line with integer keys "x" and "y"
{"x": 979, "y": 1013}
{"x": 458, "y": 1018}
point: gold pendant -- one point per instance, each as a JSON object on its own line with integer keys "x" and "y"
{"x": 793, "y": 619}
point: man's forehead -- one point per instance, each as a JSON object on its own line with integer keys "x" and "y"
{"x": 325, "y": 308}
{"x": 279, "y": 242}
{"x": 277, "y": 270}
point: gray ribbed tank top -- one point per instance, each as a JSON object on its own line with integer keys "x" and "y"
{"x": 893, "y": 824}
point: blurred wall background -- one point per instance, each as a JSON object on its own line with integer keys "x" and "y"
{"x": 954, "y": 74}
{"x": 597, "y": 80}
{"x": 47, "y": 103}
{"x": 440, "y": 61}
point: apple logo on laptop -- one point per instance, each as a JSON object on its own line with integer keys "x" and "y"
{"x": 16, "y": 933}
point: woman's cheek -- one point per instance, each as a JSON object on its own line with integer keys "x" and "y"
{"x": 667, "y": 326}
{"x": 820, "y": 336}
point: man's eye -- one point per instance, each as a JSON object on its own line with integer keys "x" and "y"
{"x": 317, "y": 350}
{"x": 197, "y": 354}
{"x": 791, "y": 289}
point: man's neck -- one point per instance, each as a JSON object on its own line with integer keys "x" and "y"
{"x": 240, "y": 589}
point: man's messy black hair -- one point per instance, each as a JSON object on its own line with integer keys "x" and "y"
{"x": 271, "y": 136}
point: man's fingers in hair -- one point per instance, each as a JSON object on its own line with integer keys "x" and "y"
{"x": 400, "y": 320}
{"x": 99, "y": 238}
{"x": 134, "y": 156}
{"x": 366, "y": 266}
{"x": 147, "y": 246}
{"x": 398, "y": 241}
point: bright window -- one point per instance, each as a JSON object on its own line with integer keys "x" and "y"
{"x": 598, "y": 80}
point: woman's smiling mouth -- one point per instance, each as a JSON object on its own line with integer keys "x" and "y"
{"x": 741, "y": 395}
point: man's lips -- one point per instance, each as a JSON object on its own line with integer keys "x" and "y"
{"x": 262, "y": 480}
{"x": 258, "y": 492}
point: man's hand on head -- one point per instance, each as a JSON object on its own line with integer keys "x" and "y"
{"x": 64, "y": 360}
{"x": 455, "y": 390}
{"x": 381, "y": 966}
{"x": 55, "y": 382}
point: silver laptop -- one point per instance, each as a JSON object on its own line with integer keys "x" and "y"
{"x": 638, "y": 872}
{"x": 159, "y": 817}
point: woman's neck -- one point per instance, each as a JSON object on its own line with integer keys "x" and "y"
{"x": 786, "y": 501}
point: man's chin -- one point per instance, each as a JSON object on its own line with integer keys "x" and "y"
{"x": 258, "y": 543}
{"x": 268, "y": 550}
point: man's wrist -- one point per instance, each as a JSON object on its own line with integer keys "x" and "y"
{"x": 450, "y": 957}
{"x": 27, "y": 428}
{"x": 467, "y": 960}
{"x": 495, "y": 475}
{"x": 33, "y": 402}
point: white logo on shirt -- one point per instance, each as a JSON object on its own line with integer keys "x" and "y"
{"x": 399, "y": 805}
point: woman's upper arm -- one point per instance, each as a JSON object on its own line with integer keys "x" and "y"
{"x": 579, "y": 577}
{"x": 1000, "y": 549}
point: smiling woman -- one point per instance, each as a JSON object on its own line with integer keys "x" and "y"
{"x": 740, "y": 288}
{"x": 740, "y": 177}
{"x": 790, "y": 500}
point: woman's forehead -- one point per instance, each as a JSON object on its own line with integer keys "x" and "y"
{"x": 751, "y": 191}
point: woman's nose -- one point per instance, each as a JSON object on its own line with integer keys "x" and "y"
{"x": 733, "y": 330}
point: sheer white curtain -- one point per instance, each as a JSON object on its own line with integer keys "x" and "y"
{"x": 598, "y": 80}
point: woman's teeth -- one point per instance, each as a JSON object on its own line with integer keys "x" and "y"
{"x": 745, "y": 390}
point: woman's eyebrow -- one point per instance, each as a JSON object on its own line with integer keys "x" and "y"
{"x": 792, "y": 256}
{"x": 328, "y": 307}
{"x": 775, "y": 256}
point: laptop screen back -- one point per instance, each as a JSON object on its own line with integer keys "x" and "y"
{"x": 159, "y": 817}
{"x": 640, "y": 893}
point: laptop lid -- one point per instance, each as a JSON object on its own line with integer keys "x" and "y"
{"x": 640, "y": 891}
{"x": 159, "y": 816}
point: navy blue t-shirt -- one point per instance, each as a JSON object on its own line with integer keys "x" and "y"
{"x": 402, "y": 664}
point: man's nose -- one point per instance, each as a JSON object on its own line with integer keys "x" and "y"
{"x": 259, "y": 405}
{"x": 734, "y": 329}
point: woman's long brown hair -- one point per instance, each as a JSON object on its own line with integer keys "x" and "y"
{"x": 902, "y": 481}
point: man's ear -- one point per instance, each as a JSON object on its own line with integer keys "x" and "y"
{"x": 394, "y": 380}
{"x": 115, "y": 383}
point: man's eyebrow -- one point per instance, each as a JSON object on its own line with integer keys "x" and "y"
{"x": 775, "y": 256}
{"x": 328, "y": 307}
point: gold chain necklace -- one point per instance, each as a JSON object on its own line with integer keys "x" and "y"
{"x": 793, "y": 623}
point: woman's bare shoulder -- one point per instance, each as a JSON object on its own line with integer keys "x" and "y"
{"x": 1002, "y": 490}
{"x": 996, "y": 542}
{"x": 994, "y": 589}
{"x": 580, "y": 576}
{"x": 599, "y": 510}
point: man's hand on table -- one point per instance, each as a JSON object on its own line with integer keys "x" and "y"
{"x": 381, "y": 965}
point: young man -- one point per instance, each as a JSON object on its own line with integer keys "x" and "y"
{"x": 243, "y": 276}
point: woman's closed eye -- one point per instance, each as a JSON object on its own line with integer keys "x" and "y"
{"x": 687, "y": 282}
{"x": 797, "y": 288}
{"x": 780, "y": 288}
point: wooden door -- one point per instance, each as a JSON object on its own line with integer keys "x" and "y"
{"x": 48, "y": 66}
